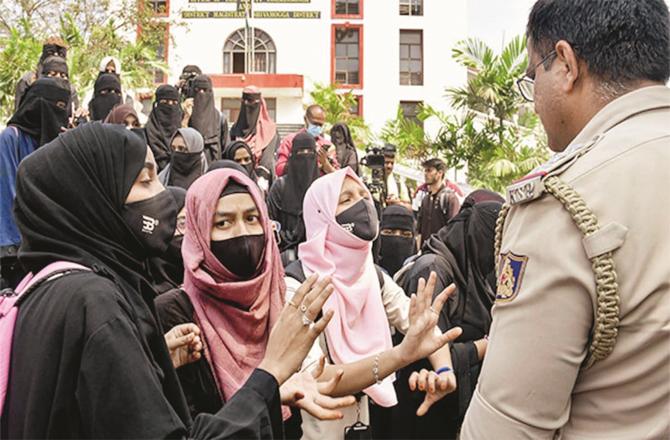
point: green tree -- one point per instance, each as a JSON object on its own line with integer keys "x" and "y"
{"x": 499, "y": 137}
{"x": 338, "y": 107}
{"x": 93, "y": 30}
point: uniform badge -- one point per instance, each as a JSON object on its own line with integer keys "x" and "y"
{"x": 525, "y": 190}
{"x": 512, "y": 268}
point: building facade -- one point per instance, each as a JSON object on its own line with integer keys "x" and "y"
{"x": 388, "y": 53}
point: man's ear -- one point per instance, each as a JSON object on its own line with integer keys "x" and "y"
{"x": 567, "y": 61}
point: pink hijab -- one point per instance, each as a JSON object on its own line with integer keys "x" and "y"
{"x": 265, "y": 127}
{"x": 360, "y": 327}
{"x": 235, "y": 317}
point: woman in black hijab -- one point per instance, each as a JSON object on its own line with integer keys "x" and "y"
{"x": 225, "y": 163}
{"x": 43, "y": 111}
{"x": 397, "y": 238}
{"x": 167, "y": 271}
{"x": 344, "y": 143}
{"x": 90, "y": 359}
{"x": 106, "y": 95}
{"x": 207, "y": 119}
{"x": 288, "y": 193}
{"x": 164, "y": 121}
{"x": 54, "y": 67}
{"x": 241, "y": 153}
{"x": 462, "y": 253}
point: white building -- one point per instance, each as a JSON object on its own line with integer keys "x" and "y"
{"x": 387, "y": 52}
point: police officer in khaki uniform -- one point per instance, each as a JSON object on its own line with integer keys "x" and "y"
{"x": 580, "y": 341}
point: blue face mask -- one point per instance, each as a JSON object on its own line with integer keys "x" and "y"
{"x": 314, "y": 130}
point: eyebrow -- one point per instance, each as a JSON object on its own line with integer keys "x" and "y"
{"x": 149, "y": 165}
{"x": 229, "y": 213}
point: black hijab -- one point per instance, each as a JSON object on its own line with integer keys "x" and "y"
{"x": 164, "y": 121}
{"x": 53, "y": 64}
{"x": 205, "y": 118}
{"x": 248, "y": 118}
{"x": 394, "y": 250}
{"x": 467, "y": 243}
{"x": 346, "y": 149}
{"x": 38, "y": 115}
{"x": 167, "y": 271}
{"x": 229, "y": 154}
{"x": 481, "y": 195}
{"x": 69, "y": 198}
{"x": 301, "y": 171}
{"x": 101, "y": 105}
{"x": 51, "y": 49}
{"x": 226, "y": 164}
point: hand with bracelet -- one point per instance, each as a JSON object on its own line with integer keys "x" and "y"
{"x": 423, "y": 339}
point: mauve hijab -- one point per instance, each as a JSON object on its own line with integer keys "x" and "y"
{"x": 235, "y": 316}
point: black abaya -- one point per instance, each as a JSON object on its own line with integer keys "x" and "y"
{"x": 89, "y": 356}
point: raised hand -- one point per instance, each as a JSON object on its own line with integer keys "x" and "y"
{"x": 303, "y": 391}
{"x": 290, "y": 339}
{"x": 423, "y": 337}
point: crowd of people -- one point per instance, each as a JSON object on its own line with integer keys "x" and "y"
{"x": 181, "y": 278}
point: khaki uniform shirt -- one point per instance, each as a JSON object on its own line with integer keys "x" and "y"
{"x": 532, "y": 384}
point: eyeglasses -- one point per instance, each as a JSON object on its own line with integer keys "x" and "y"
{"x": 526, "y": 84}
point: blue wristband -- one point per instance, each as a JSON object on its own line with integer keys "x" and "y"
{"x": 443, "y": 370}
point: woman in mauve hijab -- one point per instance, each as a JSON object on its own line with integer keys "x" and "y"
{"x": 341, "y": 224}
{"x": 234, "y": 291}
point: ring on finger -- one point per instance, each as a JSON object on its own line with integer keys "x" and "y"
{"x": 303, "y": 308}
{"x": 291, "y": 303}
{"x": 433, "y": 310}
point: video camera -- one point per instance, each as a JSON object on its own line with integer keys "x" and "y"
{"x": 374, "y": 160}
{"x": 186, "y": 88}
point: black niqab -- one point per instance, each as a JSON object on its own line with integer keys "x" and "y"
{"x": 467, "y": 242}
{"x": 301, "y": 171}
{"x": 345, "y": 149}
{"x": 245, "y": 125}
{"x": 102, "y": 104}
{"x": 164, "y": 121}
{"x": 205, "y": 117}
{"x": 395, "y": 250}
{"x": 38, "y": 114}
{"x": 53, "y": 64}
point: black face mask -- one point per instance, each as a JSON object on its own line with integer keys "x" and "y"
{"x": 394, "y": 251}
{"x": 153, "y": 222}
{"x": 240, "y": 255}
{"x": 361, "y": 220}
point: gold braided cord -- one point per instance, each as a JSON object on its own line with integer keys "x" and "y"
{"x": 605, "y": 328}
{"x": 500, "y": 225}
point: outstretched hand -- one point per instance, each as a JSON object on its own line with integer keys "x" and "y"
{"x": 304, "y": 391}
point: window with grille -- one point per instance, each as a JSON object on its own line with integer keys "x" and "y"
{"x": 347, "y": 55}
{"x": 159, "y": 7}
{"x": 348, "y": 7}
{"x": 411, "y": 58}
{"x": 411, "y": 7}
{"x": 410, "y": 110}
{"x": 260, "y": 57}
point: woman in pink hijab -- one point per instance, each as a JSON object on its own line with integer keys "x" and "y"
{"x": 234, "y": 292}
{"x": 341, "y": 223}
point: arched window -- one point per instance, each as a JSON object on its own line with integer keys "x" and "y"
{"x": 261, "y": 56}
